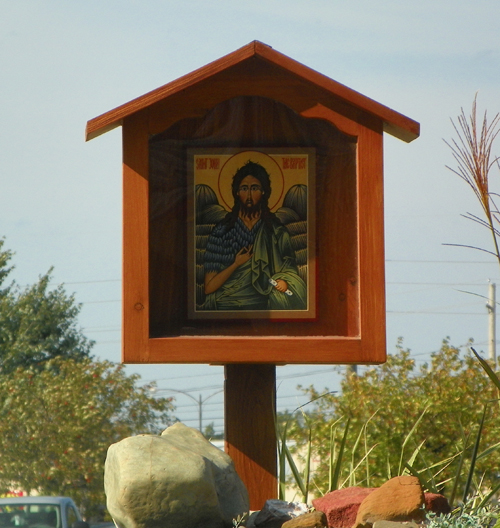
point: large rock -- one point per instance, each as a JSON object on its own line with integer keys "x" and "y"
{"x": 341, "y": 506}
{"x": 178, "y": 479}
{"x": 399, "y": 499}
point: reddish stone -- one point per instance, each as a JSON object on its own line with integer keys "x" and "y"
{"x": 437, "y": 503}
{"x": 341, "y": 506}
{"x": 399, "y": 499}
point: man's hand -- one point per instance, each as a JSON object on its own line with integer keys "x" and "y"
{"x": 214, "y": 280}
{"x": 281, "y": 285}
{"x": 243, "y": 255}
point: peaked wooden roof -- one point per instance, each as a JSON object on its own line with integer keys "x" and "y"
{"x": 394, "y": 123}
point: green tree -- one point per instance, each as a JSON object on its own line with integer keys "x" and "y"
{"x": 37, "y": 323}
{"x": 56, "y": 424}
{"x": 384, "y": 404}
{"x": 210, "y": 434}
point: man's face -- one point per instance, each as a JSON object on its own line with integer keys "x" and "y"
{"x": 250, "y": 192}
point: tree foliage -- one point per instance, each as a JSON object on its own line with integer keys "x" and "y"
{"x": 60, "y": 409}
{"x": 447, "y": 395}
{"x": 57, "y": 423}
{"x": 37, "y": 323}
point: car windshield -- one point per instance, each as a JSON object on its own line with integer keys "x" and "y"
{"x": 30, "y": 515}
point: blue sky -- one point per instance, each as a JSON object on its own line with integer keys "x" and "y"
{"x": 64, "y": 62}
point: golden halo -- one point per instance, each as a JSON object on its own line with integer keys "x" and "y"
{"x": 229, "y": 169}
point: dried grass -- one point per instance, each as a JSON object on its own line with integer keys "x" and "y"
{"x": 472, "y": 151}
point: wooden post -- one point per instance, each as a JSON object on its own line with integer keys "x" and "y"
{"x": 250, "y": 403}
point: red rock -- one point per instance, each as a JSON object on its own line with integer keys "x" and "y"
{"x": 437, "y": 503}
{"x": 399, "y": 499}
{"x": 341, "y": 506}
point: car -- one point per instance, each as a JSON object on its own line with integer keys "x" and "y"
{"x": 40, "y": 512}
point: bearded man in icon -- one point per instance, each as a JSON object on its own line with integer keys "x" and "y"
{"x": 249, "y": 260}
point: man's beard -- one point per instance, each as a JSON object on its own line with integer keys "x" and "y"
{"x": 250, "y": 211}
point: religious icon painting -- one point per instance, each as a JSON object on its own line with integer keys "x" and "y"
{"x": 252, "y": 239}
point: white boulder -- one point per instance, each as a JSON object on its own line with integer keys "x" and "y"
{"x": 176, "y": 480}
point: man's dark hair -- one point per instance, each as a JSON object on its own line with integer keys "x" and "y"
{"x": 257, "y": 171}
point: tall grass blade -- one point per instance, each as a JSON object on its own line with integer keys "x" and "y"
{"x": 283, "y": 451}
{"x": 431, "y": 484}
{"x": 307, "y": 470}
{"x": 488, "y": 451}
{"x": 338, "y": 463}
{"x": 458, "y": 474}
{"x": 413, "y": 457}
{"x": 333, "y": 453}
{"x": 367, "y": 465}
{"x": 281, "y": 441}
{"x": 295, "y": 472}
{"x": 413, "y": 471}
{"x": 333, "y": 431}
{"x": 488, "y": 497}
{"x": 474, "y": 456}
{"x": 353, "y": 470}
{"x": 354, "y": 467}
{"x": 488, "y": 369}
{"x": 408, "y": 436}
{"x": 456, "y": 480}
{"x": 367, "y": 461}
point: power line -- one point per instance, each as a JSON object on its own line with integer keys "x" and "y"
{"x": 415, "y": 312}
{"x": 100, "y": 302}
{"x": 89, "y": 282}
{"x": 278, "y": 378}
{"x": 389, "y": 283}
{"x": 436, "y": 283}
{"x": 422, "y": 261}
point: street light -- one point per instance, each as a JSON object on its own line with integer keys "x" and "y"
{"x": 199, "y": 401}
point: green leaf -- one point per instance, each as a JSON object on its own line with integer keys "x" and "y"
{"x": 488, "y": 369}
{"x": 296, "y": 473}
{"x": 474, "y": 456}
{"x": 338, "y": 463}
{"x": 408, "y": 436}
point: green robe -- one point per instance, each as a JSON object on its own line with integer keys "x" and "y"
{"x": 248, "y": 288}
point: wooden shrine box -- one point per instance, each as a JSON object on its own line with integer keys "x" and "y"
{"x": 322, "y": 145}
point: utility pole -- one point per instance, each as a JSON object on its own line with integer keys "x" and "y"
{"x": 351, "y": 369}
{"x": 199, "y": 401}
{"x": 491, "y": 306}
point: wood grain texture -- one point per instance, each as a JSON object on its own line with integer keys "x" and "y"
{"x": 394, "y": 123}
{"x": 254, "y": 122}
{"x": 135, "y": 305}
{"x": 350, "y": 326}
{"x": 279, "y": 350}
{"x": 250, "y": 438}
{"x": 371, "y": 242}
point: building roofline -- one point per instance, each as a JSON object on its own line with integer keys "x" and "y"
{"x": 395, "y": 123}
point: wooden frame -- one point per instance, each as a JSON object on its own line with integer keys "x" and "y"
{"x": 350, "y": 327}
{"x": 210, "y": 173}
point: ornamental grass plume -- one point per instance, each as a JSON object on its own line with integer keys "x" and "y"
{"x": 472, "y": 151}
